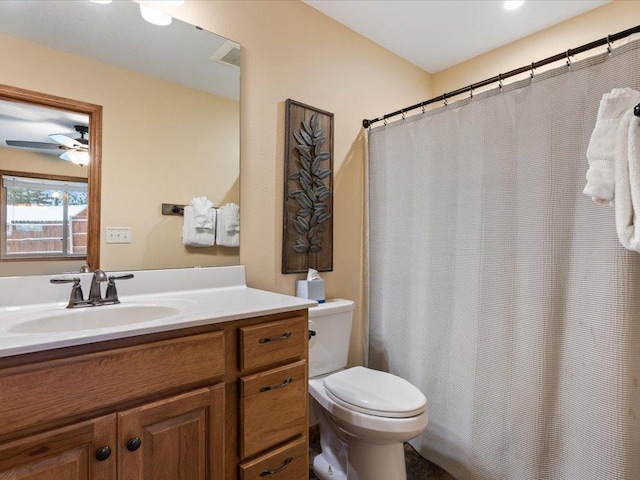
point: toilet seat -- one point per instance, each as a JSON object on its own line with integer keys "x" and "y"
{"x": 375, "y": 393}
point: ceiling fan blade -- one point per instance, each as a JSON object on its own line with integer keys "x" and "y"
{"x": 66, "y": 140}
{"x": 38, "y": 145}
{"x": 79, "y": 157}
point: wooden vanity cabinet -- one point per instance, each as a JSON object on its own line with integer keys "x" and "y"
{"x": 204, "y": 403}
{"x": 62, "y": 454}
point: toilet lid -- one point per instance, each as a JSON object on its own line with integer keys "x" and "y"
{"x": 375, "y": 393}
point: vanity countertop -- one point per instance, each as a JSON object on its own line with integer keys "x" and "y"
{"x": 202, "y": 300}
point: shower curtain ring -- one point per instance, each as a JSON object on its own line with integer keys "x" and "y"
{"x": 444, "y": 97}
{"x": 423, "y": 109}
{"x": 470, "y": 91}
{"x": 403, "y": 117}
{"x": 532, "y": 69}
{"x": 500, "y": 84}
{"x": 609, "y": 44}
{"x": 568, "y": 58}
{"x": 384, "y": 120}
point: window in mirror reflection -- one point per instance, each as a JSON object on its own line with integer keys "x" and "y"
{"x": 44, "y": 217}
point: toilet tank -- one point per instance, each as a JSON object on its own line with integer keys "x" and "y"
{"x": 329, "y": 348}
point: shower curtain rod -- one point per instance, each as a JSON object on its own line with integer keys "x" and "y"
{"x": 608, "y": 40}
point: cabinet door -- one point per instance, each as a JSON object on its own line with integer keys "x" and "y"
{"x": 178, "y": 438}
{"x": 69, "y": 453}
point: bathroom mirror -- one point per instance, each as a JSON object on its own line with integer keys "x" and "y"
{"x": 170, "y": 120}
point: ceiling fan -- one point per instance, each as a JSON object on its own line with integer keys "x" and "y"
{"x": 75, "y": 150}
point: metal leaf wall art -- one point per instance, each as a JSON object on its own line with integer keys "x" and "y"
{"x": 308, "y": 232}
{"x": 313, "y": 192}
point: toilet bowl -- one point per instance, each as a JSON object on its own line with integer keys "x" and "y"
{"x": 364, "y": 415}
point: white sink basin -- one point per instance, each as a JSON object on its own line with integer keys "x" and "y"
{"x": 89, "y": 318}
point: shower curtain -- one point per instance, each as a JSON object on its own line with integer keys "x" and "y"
{"x": 500, "y": 290}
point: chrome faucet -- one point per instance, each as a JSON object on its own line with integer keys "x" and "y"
{"x": 95, "y": 299}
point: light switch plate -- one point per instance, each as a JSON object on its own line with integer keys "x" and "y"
{"x": 118, "y": 235}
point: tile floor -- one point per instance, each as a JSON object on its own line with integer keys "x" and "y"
{"x": 417, "y": 467}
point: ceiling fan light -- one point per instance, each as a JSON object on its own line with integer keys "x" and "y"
{"x": 76, "y": 156}
{"x": 155, "y": 16}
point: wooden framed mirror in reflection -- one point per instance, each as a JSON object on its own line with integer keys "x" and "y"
{"x": 170, "y": 122}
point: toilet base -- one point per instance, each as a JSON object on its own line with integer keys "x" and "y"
{"x": 368, "y": 461}
{"x": 325, "y": 471}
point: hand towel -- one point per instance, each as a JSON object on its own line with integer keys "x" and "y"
{"x": 228, "y": 226}
{"x": 202, "y": 209}
{"x": 197, "y": 237}
{"x": 602, "y": 145}
{"x": 627, "y": 181}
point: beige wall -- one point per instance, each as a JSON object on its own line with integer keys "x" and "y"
{"x": 290, "y": 50}
{"x": 162, "y": 143}
{"x": 27, "y": 161}
{"x": 597, "y": 23}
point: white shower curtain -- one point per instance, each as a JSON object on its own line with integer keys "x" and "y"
{"x": 500, "y": 290}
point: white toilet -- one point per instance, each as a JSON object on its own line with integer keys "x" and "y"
{"x": 365, "y": 415}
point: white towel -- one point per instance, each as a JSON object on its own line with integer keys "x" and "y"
{"x": 627, "y": 187}
{"x": 228, "y": 226}
{"x": 202, "y": 215}
{"x": 602, "y": 145}
{"x": 198, "y": 237}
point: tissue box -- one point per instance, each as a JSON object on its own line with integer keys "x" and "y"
{"x": 311, "y": 289}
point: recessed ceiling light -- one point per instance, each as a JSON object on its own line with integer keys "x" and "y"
{"x": 513, "y": 4}
{"x": 155, "y": 16}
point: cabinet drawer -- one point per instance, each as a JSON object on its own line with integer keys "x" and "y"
{"x": 269, "y": 343}
{"x": 71, "y": 387}
{"x": 273, "y": 407}
{"x": 289, "y": 462}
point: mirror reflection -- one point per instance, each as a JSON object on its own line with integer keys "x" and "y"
{"x": 170, "y": 125}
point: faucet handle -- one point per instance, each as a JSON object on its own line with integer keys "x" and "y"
{"x": 111, "y": 295}
{"x": 76, "y": 298}
{"x": 74, "y": 280}
{"x": 120, "y": 277}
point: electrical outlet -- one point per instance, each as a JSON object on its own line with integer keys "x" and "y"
{"x": 118, "y": 234}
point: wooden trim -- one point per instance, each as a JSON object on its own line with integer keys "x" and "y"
{"x": 94, "y": 112}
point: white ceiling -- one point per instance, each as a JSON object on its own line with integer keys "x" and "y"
{"x": 116, "y": 34}
{"x": 436, "y": 34}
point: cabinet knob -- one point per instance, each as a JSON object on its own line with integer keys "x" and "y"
{"x": 103, "y": 453}
{"x": 133, "y": 444}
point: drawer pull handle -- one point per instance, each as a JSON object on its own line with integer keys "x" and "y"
{"x": 286, "y": 463}
{"x": 266, "y": 388}
{"x": 284, "y": 336}
{"x": 133, "y": 444}
{"x": 103, "y": 453}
